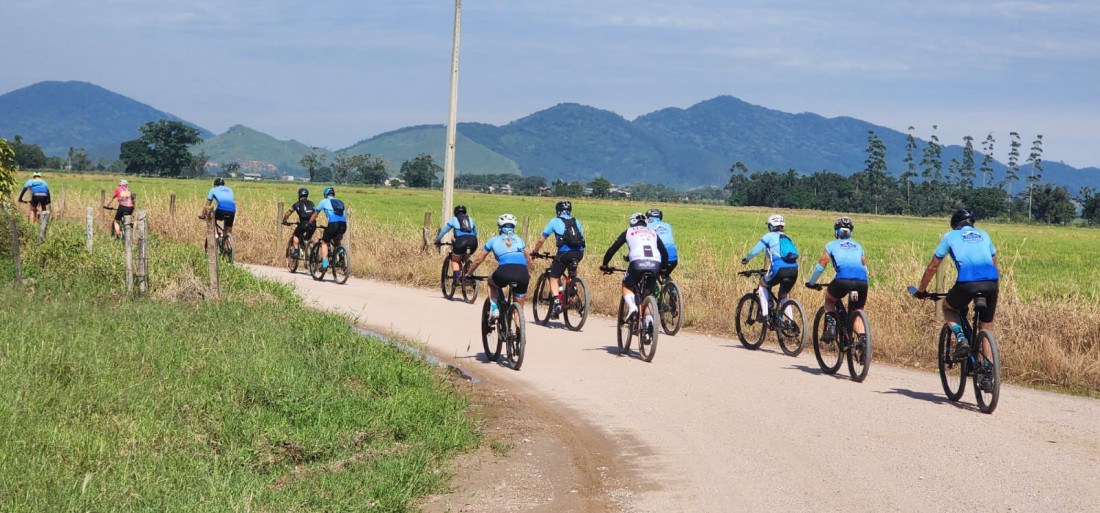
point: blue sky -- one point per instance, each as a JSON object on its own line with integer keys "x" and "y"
{"x": 332, "y": 72}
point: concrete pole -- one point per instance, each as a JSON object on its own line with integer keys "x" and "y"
{"x": 452, "y": 116}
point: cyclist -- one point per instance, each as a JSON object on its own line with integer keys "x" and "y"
{"x": 976, "y": 260}
{"x": 465, "y": 242}
{"x": 783, "y": 257}
{"x": 40, "y": 195}
{"x": 851, "y": 274}
{"x": 125, "y": 199}
{"x": 334, "y": 210}
{"x": 646, "y": 253}
{"x": 513, "y": 262}
{"x": 225, "y": 209}
{"x": 655, "y": 220}
{"x": 305, "y": 229}
{"x": 570, "y": 238}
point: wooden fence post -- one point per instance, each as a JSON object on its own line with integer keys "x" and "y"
{"x": 212, "y": 255}
{"x": 89, "y": 226}
{"x": 43, "y": 223}
{"x": 526, "y": 226}
{"x": 15, "y": 253}
{"x": 61, "y": 204}
{"x": 425, "y": 231}
{"x": 143, "y": 269}
{"x": 279, "y": 225}
{"x": 129, "y": 240}
{"x": 172, "y": 206}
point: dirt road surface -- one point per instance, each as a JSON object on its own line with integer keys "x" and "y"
{"x": 709, "y": 426}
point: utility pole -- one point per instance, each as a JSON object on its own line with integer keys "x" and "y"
{"x": 449, "y": 151}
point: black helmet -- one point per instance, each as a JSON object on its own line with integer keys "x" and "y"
{"x": 655, "y": 213}
{"x": 962, "y": 217}
{"x": 219, "y": 181}
{"x": 843, "y": 223}
{"x": 303, "y": 193}
{"x": 460, "y": 210}
{"x": 564, "y": 206}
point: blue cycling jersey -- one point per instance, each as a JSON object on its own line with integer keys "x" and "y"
{"x": 664, "y": 231}
{"x": 973, "y": 252}
{"x": 455, "y": 225}
{"x": 770, "y": 242}
{"x": 847, "y": 257}
{"x": 37, "y": 186}
{"x": 508, "y": 249}
{"x": 224, "y": 197}
{"x": 326, "y": 206}
{"x": 556, "y": 226}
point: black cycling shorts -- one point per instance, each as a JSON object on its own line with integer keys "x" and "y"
{"x": 225, "y": 215}
{"x": 785, "y": 277}
{"x": 639, "y": 268}
{"x": 464, "y": 245}
{"x": 961, "y": 294}
{"x": 40, "y": 200}
{"x": 838, "y": 288}
{"x": 305, "y": 231}
{"x": 512, "y": 273}
{"x": 669, "y": 267}
{"x": 334, "y": 231}
{"x": 122, "y": 212}
{"x": 568, "y": 259}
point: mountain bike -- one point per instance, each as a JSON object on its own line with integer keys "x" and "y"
{"x": 508, "y": 326}
{"x": 641, "y": 323}
{"x": 296, "y": 254}
{"x": 339, "y": 261}
{"x": 123, "y": 226}
{"x": 447, "y": 282}
{"x": 574, "y": 304}
{"x": 223, "y": 240}
{"x": 788, "y": 325}
{"x": 670, "y": 302}
{"x": 984, "y": 366}
{"x": 845, "y": 342}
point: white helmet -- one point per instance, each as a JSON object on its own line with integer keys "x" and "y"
{"x": 636, "y": 219}
{"x": 506, "y": 219}
{"x": 123, "y": 182}
{"x": 776, "y": 222}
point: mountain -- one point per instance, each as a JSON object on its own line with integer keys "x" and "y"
{"x": 404, "y": 144}
{"x": 59, "y": 115}
{"x": 245, "y": 145}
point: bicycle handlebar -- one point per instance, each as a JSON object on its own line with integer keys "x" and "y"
{"x": 609, "y": 270}
{"x": 816, "y": 286}
{"x": 934, "y": 296}
{"x": 752, "y": 272}
{"x": 545, "y": 255}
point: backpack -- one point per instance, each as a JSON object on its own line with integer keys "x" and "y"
{"x": 787, "y": 251}
{"x": 572, "y": 235}
{"x": 464, "y": 223}
{"x": 337, "y": 206}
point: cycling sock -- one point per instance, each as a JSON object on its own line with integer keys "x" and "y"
{"x": 324, "y": 263}
{"x": 631, "y": 308}
{"x": 763, "y": 294}
{"x": 958, "y": 331}
{"x": 456, "y": 273}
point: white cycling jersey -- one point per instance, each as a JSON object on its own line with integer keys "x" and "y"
{"x": 641, "y": 243}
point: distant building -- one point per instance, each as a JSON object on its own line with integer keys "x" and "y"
{"x": 289, "y": 178}
{"x": 395, "y": 182}
{"x": 252, "y": 176}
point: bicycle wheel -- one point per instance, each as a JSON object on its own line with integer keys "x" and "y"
{"x": 469, "y": 287}
{"x": 291, "y": 260}
{"x": 952, "y": 372}
{"x": 671, "y": 304}
{"x": 859, "y": 352}
{"x": 576, "y": 304}
{"x": 748, "y": 323}
{"x": 516, "y": 335}
{"x": 341, "y": 265}
{"x": 625, "y": 328}
{"x": 792, "y": 333}
{"x": 648, "y": 317}
{"x": 446, "y": 279}
{"x": 315, "y": 263}
{"x": 488, "y": 340}
{"x": 987, "y": 373}
{"x": 543, "y": 300}
{"x": 827, "y": 352}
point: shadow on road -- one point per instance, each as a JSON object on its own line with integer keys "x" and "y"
{"x": 816, "y": 371}
{"x": 930, "y": 397}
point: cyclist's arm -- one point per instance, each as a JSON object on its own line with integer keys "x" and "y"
{"x": 538, "y": 244}
{"x": 759, "y": 247}
{"x": 820, "y": 267}
{"x": 664, "y": 252}
{"x": 287, "y": 214}
{"x": 22, "y": 192}
{"x": 929, "y": 272}
{"x": 477, "y": 261}
{"x": 446, "y": 228}
{"x": 527, "y": 253}
{"x": 614, "y": 248}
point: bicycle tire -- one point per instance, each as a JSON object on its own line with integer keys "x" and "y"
{"x": 315, "y": 271}
{"x": 446, "y": 279}
{"x": 792, "y": 334}
{"x": 672, "y": 308}
{"x": 987, "y": 395}
{"x": 859, "y": 351}
{"x": 828, "y": 354}
{"x": 747, "y": 317}
{"x": 517, "y": 336}
{"x": 543, "y": 300}
{"x": 647, "y": 335}
{"x": 624, "y": 329}
{"x": 486, "y": 334}
{"x": 576, "y": 304}
{"x": 469, "y": 287}
{"x": 341, "y": 265}
{"x": 948, "y": 366}
{"x": 291, "y": 260}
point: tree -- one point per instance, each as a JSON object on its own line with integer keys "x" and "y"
{"x": 601, "y": 187}
{"x": 7, "y": 175}
{"x": 341, "y": 166}
{"x": 987, "y": 161}
{"x": 370, "y": 170}
{"x": 530, "y": 185}
{"x": 313, "y": 161}
{"x": 1052, "y": 204}
{"x": 27, "y": 156}
{"x": 1090, "y": 205}
{"x": 79, "y": 160}
{"x": 1035, "y": 158}
{"x": 420, "y": 171}
{"x": 910, "y": 167}
{"x": 162, "y": 149}
{"x": 966, "y": 168}
{"x": 932, "y": 159}
{"x": 196, "y": 167}
{"x": 1013, "y": 172}
{"x": 229, "y": 168}
{"x": 877, "y": 181}
{"x": 988, "y": 202}
{"x": 571, "y": 189}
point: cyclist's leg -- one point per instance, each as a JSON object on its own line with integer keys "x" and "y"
{"x": 557, "y": 268}
{"x": 985, "y": 317}
{"x": 630, "y": 282}
{"x": 787, "y": 277}
{"x": 763, "y": 291}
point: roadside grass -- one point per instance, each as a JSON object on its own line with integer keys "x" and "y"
{"x": 113, "y": 402}
{"x": 1048, "y": 320}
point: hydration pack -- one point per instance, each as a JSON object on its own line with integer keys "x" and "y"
{"x": 572, "y": 236}
{"x": 787, "y": 251}
{"x": 464, "y": 223}
{"x": 337, "y": 206}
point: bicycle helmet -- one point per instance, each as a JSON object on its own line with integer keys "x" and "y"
{"x": 637, "y": 219}
{"x": 563, "y": 206}
{"x": 843, "y": 227}
{"x": 962, "y": 217}
{"x": 460, "y": 210}
{"x": 123, "y": 183}
{"x": 655, "y": 213}
{"x": 303, "y": 193}
{"x": 506, "y": 221}
{"x": 219, "y": 181}
{"x": 329, "y": 191}
{"x": 776, "y": 222}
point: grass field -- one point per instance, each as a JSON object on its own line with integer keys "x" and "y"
{"x": 1048, "y": 320}
{"x": 110, "y": 402}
